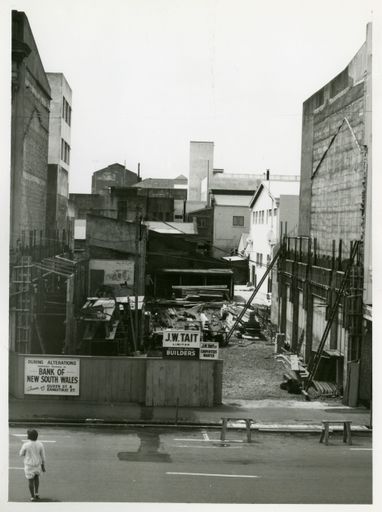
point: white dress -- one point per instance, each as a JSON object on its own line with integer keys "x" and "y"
{"x": 34, "y": 455}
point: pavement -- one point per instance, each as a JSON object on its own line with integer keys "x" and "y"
{"x": 267, "y": 415}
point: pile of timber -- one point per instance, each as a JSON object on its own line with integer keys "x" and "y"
{"x": 295, "y": 374}
{"x": 206, "y": 292}
{"x": 248, "y": 327}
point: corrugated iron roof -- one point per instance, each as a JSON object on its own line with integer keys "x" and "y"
{"x": 232, "y": 200}
{"x": 222, "y": 271}
{"x": 172, "y": 228}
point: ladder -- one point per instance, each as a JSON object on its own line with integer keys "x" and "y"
{"x": 248, "y": 303}
{"x": 22, "y": 280}
{"x": 333, "y": 312}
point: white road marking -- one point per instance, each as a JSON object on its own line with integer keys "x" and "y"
{"x": 211, "y": 474}
{"x": 43, "y": 441}
{"x": 205, "y": 435}
{"x": 206, "y": 440}
{"x": 15, "y": 468}
{"x": 200, "y": 446}
{"x": 363, "y": 449}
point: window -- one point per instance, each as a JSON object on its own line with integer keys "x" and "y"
{"x": 275, "y": 212}
{"x": 66, "y": 111}
{"x": 259, "y": 259}
{"x": 270, "y": 213}
{"x": 65, "y": 152}
{"x": 201, "y": 222}
{"x": 238, "y": 220}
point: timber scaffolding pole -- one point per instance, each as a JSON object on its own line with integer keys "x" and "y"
{"x": 341, "y": 292}
{"x": 249, "y": 302}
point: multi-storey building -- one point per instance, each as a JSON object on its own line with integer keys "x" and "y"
{"x": 31, "y": 96}
{"x": 273, "y": 214}
{"x": 59, "y": 152}
{"x": 334, "y": 219}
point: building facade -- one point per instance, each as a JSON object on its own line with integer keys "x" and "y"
{"x": 273, "y": 214}
{"x": 60, "y": 122}
{"x": 334, "y": 226}
{"x": 230, "y": 221}
{"x": 31, "y": 95}
{"x": 114, "y": 175}
{"x": 201, "y": 166}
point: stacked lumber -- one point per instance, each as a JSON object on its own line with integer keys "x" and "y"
{"x": 212, "y": 292}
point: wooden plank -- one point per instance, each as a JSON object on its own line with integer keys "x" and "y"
{"x": 205, "y": 390}
{"x": 149, "y": 383}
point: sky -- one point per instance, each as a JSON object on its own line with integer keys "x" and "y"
{"x": 149, "y": 76}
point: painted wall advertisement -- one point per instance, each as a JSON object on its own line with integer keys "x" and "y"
{"x": 115, "y": 271}
{"x": 51, "y": 376}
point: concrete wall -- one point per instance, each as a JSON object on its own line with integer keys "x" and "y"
{"x": 288, "y": 215}
{"x": 332, "y": 161}
{"x": 59, "y": 128}
{"x": 57, "y": 198}
{"x": 201, "y": 166}
{"x": 148, "y": 381}
{"x": 368, "y": 298}
{"x": 97, "y": 204}
{"x": 29, "y": 132}
{"x": 226, "y": 236}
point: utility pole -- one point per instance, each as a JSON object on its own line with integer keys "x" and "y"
{"x": 136, "y": 271}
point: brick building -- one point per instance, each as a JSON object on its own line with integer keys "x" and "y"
{"x": 46, "y": 285}
{"x": 31, "y": 96}
{"x": 114, "y": 175}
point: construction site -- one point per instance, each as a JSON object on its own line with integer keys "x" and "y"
{"x": 50, "y": 314}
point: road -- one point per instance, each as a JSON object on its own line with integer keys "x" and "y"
{"x": 146, "y": 464}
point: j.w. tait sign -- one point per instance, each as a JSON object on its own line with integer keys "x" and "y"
{"x": 181, "y": 339}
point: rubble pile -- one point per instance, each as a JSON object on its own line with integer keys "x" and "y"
{"x": 214, "y": 318}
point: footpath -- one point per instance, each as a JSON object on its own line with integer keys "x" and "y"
{"x": 267, "y": 415}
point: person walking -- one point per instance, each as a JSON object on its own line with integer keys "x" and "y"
{"x": 34, "y": 462}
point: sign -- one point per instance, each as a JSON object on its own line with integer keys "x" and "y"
{"x": 180, "y": 353}
{"x": 51, "y": 376}
{"x": 209, "y": 350}
{"x": 115, "y": 271}
{"x": 182, "y": 339}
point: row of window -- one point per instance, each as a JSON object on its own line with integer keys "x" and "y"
{"x": 262, "y": 216}
{"x": 237, "y": 220}
{"x": 66, "y": 111}
{"x": 65, "y": 152}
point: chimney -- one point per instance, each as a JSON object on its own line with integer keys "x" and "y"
{"x": 267, "y": 175}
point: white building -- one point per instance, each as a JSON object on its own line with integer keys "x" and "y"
{"x": 230, "y": 221}
{"x": 273, "y": 213}
{"x": 60, "y": 121}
